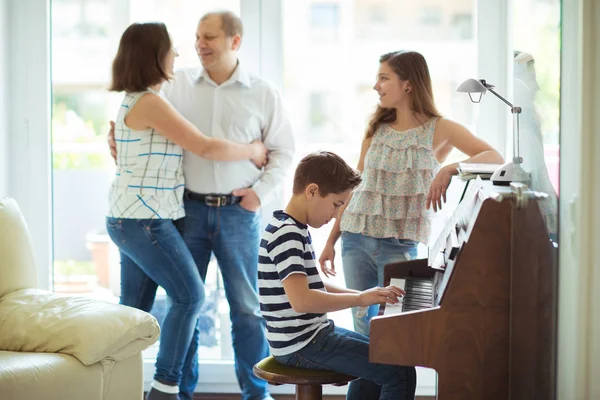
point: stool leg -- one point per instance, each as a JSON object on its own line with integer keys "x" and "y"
{"x": 309, "y": 392}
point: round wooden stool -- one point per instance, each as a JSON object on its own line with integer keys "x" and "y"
{"x": 308, "y": 381}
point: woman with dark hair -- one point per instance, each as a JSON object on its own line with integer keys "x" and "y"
{"x": 405, "y": 143}
{"x": 146, "y": 196}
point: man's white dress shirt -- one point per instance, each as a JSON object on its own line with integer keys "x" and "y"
{"x": 242, "y": 109}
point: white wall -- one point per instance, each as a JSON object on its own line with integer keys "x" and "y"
{"x": 579, "y": 266}
{"x": 27, "y": 83}
{"x": 4, "y": 143}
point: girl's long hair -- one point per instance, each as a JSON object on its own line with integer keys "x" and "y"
{"x": 410, "y": 66}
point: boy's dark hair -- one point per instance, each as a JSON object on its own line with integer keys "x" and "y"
{"x": 328, "y": 170}
{"x": 139, "y": 62}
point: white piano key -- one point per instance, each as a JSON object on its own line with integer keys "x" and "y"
{"x": 401, "y": 283}
{"x": 393, "y": 309}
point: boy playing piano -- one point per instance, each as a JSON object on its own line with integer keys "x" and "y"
{"x": 294, "y": 300}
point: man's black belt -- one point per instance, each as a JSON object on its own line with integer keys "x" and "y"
{"x": 213, "y": 199}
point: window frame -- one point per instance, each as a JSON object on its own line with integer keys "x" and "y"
{"x": 30, "y": 111}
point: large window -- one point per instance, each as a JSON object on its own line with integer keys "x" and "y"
{"x": 328, "y": 83}
{"x": 85, "y": 36}
{"x": 536, "y": 42}
{"x": 328, "y": 66}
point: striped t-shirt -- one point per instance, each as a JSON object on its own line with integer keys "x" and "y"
{"x": 286, "y": 249}
{"x": 149, "y": 179}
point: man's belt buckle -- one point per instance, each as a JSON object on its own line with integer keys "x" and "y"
{"x": 213, "y": 201}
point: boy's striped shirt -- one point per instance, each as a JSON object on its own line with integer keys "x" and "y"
{"x": 286, "y": 249}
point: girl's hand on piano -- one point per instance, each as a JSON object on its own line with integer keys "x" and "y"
{"x": 437, "y": 191}
{"x": 379, "y": 295}
{"x": 327, "y": 255}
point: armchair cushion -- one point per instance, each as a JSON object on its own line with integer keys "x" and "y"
{"x": 17, "y": 266}
{"x": 90, "y": 330}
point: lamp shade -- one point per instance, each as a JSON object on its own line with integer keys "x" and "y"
{"x": 471, "y": 86}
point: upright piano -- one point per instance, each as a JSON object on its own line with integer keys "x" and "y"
{"x": 481, "y": 309}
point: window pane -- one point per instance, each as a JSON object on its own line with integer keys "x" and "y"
{"x": 85, "y": 36}
{"x": 328, "y": 80}
{"x": 536, "y": 32}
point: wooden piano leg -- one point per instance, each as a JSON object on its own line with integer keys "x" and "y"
{"x": 309, "y": 392}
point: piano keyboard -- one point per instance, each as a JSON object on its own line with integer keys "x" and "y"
{"x": 419, "y": 295}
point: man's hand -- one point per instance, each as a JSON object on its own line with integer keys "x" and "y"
{"x": 112, "y": 145}
{"x": 250, "y": 200}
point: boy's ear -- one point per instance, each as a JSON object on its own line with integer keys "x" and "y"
{"x": 311, "y": 190}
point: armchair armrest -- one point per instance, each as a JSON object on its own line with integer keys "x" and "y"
{"x": 90, "y": 330}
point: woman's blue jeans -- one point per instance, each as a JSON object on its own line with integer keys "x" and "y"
{"x": 364, "y": 258}
{"x": 154, "y": 254}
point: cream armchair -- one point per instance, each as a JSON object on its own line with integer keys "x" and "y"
{"x": 59, "y": 347}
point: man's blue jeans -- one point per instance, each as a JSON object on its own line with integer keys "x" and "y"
{"x": 153, "y": 253}
{"x": 233, "y": 235}
{"x": 344, "y": 351}
{"x": 364, "y": 258}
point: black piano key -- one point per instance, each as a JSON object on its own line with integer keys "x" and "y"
{"x": 417, "y": 295}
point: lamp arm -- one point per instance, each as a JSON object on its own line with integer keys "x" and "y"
{"x": 500, "y": 97}
{"x": 517, "y": 159}
{"x": 514, "y": 110}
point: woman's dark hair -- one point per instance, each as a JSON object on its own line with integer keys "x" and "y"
{"x": 139, "y": 62}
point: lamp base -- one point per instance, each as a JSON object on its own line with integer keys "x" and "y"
{"x": 510, "y": 172}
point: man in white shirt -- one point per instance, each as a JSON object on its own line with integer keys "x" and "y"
{"x": 224, "y": 100}
{"x": 222, "y": 199}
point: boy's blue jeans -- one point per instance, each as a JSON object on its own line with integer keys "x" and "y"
{"x": 154, "y": 253}
{"x": 233, "y": 235}
{"x": 344, "y": 351}
{"x": 364, "y": 258}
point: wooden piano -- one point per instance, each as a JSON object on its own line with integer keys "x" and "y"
{"x": 481, "y": 309}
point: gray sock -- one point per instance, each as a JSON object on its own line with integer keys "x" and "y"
{"x": 155, "y": 394}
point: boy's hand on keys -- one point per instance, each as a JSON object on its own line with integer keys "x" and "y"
{"x": 379, "y": 295}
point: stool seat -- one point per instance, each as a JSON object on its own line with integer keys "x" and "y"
{"x": 274, "y": 372}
